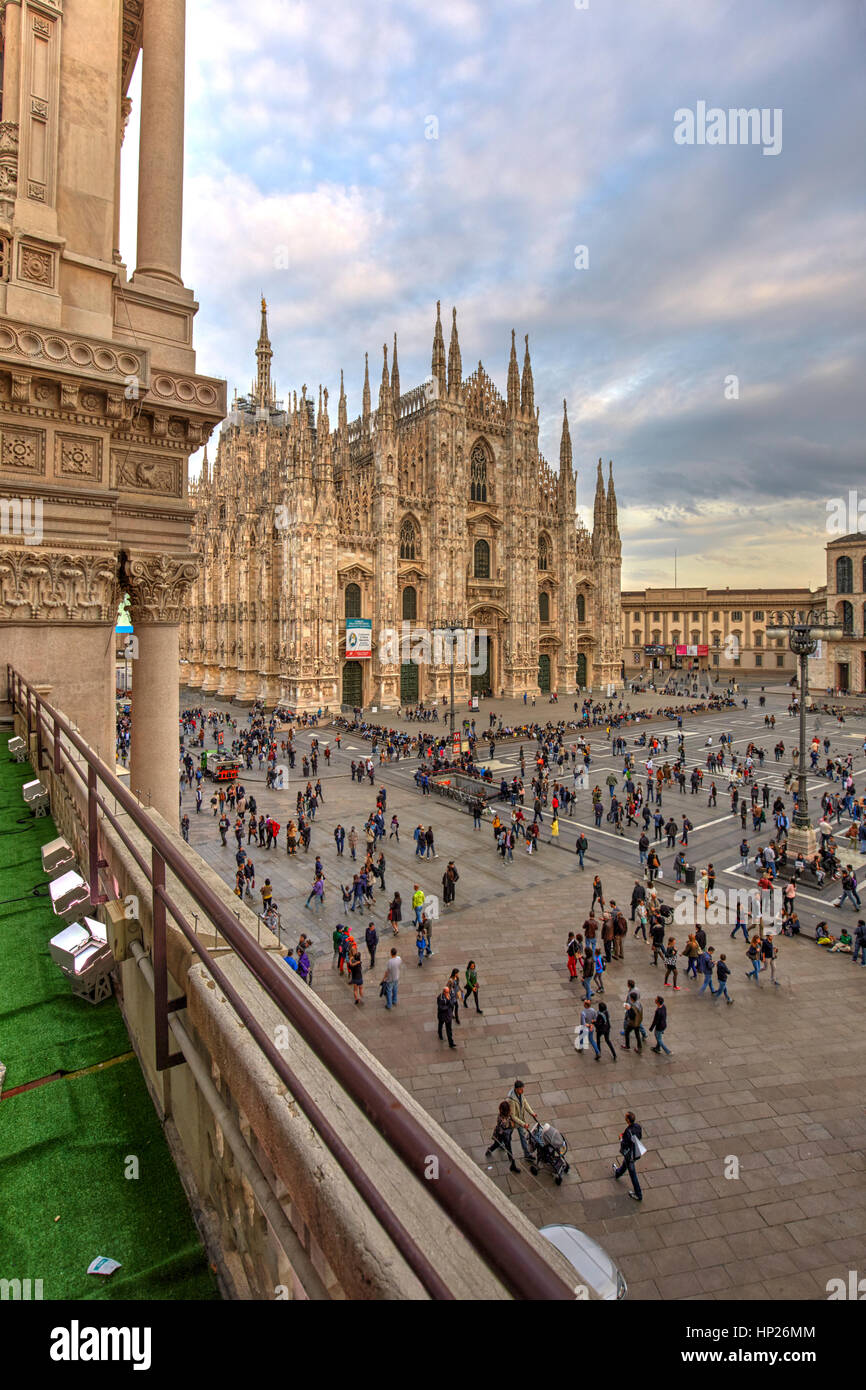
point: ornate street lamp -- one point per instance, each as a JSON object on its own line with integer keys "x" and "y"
{"x": 803, "y": 629}
{"x": 451, "y": 626}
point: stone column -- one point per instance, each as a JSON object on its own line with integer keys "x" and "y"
{"x": 158, "y": 587}
{"x": 160, "y": 163}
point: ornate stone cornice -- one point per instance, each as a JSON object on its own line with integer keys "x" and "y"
{"x": 159, "y": 586}
{"x": 54, "y": 586}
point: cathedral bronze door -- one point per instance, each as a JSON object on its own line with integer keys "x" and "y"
{"x": 544, "y": 673}
{"x": 480, "y": 673}
{"x": 581, "y": 668}
{"x": 353, "y": 684}
{"x": 408, "y": 683}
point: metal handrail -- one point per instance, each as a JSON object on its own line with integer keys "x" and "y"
{"x": 519, "y": 1266}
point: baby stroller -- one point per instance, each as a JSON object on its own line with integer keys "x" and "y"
{"x": 549, "y": 1147}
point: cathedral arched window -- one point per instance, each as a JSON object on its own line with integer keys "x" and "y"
{"x": 846, "y": 616}
{"x": 543, "y": 553}
{"x": 353, "y": 600}
{"x": 482, "y": 560}
{"x": 478, "y": 474}
{"x": 408, "y": 540}
{"x": 410, "y": 603}
{"x": 844, "y": 575}
{"x": 544, "y": 608}
{"x": 581, "y": 608}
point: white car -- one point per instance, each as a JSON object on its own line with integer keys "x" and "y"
{"x": 595, "y": 1269}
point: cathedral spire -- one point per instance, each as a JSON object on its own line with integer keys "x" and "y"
{"x": 385, "y": 404}
{"x": 612, "y": 520}
{"x": 565, "y": 457}
{"x": 263, "y": 362}
{"x": 205, "y": 467}
{"x": 395, "y": 376}
{"x": 439, "y": 351}
{"x": 600, "y": 512}
{"x": 527, "y": 386}
{"x": 342, "y": 417}
{"x": 455, "y": 364}
{"x": 513, "y": 379}
{"x": 365, "y": 407}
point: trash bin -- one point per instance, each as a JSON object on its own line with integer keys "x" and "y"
{"x": 690, "y": 875}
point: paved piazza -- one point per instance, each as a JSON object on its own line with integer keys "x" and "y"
{"x": 775, "y": 1082}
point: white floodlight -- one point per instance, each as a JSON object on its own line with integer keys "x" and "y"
{"x": 57, "y": 856}
{"x": 69, "y": 894}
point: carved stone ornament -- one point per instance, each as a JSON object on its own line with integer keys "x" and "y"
{"x": 35, "y": 265}
{"x": 51, "y": 586}
{"x": 140, "y": 472}
{"x": 159, "y": 587}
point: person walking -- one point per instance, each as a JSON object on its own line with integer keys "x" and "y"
{"x": 521, "y": 1113}
{"x": 356, "y": 976}
{"x": 395, "y": 913}
{"x": 588, "y": 1016}
{"x": 417, "y": 903}
{"x": 659, "y": 1025}
{"x": 471, "y": 989}
{"x": 449, "y": 880}
{"x": 859, "y": 943}
{"x": 391, "y": 980}
{"x": 580, "y": 848}
{"x": 722, "y": 975}
{"x": 445, "y": 1013}
{"x": 602, "y": 1031}
{"x": 631, "y": 1147}
{"x": 633, "y": 1021}
{"x": 571, "y": 954}
{"x": 754, "y": 955}
{"x": 769, "y": 952}
{"x": 670, "y": 956}
{"x": 597, "y": 893}
{"x": 371, "y": 936}
{"x": 705, "y": 968}
{"x": 503, "y": 1132}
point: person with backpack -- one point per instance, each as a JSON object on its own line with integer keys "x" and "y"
{"x": 602, "y": 1031}
{"x": 705, "y": 968}
{"x": 571, "y": 954}
{"x": 659, "y": 1026}
{"x": 598, "y": 970}
{"x": 657, "y": 938}
{"x": 633, "y": 1021}
{"x": 631, "y": 1147}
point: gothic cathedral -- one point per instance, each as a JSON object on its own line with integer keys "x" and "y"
{"x": 434, "y": 510}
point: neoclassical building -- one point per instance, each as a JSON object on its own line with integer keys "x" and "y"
{"x": 435, "y": 508}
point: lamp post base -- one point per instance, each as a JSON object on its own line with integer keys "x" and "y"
{"x": 802, "y": 840}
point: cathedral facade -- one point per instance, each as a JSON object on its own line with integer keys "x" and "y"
{"x": 434, "y": 511}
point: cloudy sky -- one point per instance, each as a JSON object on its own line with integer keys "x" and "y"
{"x": 359, "y": 159}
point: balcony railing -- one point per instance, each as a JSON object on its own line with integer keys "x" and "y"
{"x": 516, "y": 1263}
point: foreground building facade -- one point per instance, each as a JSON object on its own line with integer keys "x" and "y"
{"x": 435, "y": 509}
{"x": 100, "y": 401}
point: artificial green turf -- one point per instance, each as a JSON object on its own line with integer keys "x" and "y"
{"x": 43, "y": 1028}
{"x": 65, "y": 1145}
{"x": 65, "y": 1148}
